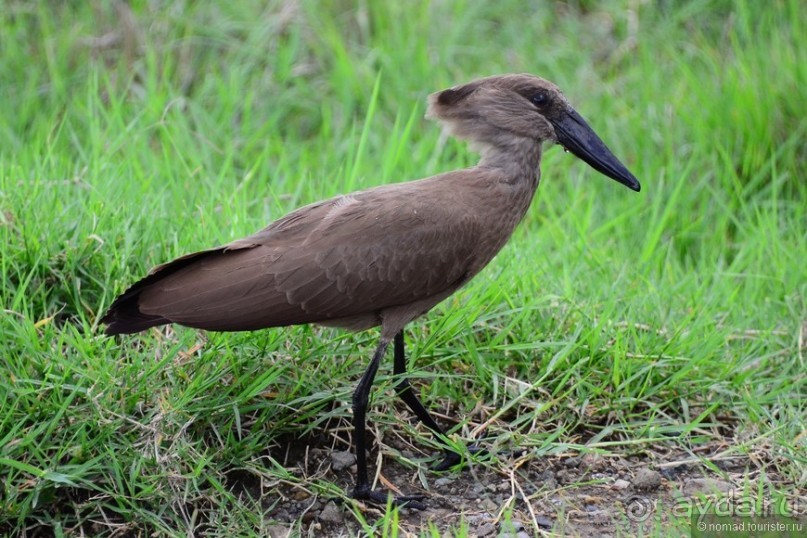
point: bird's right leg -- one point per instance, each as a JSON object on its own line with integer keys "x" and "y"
{"x": 405, "y": 392}
{"x": 361, "y": 398}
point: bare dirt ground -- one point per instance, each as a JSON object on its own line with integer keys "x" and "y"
{"x": 296, "y": 488}
{"x": 564, "y": 494}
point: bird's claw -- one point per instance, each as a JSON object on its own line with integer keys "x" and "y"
{"x": 452, "y": 459}
{"x": 381, "y": 498}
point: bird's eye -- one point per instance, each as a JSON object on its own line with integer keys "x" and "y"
{"x": 539, "y": 99}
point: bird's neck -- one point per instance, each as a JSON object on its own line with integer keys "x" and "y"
{"x": 516, "y": 159}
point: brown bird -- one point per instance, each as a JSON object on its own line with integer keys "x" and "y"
{"x": 383, "y": 256}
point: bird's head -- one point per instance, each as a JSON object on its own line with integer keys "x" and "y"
{"x": 496, "y": 111}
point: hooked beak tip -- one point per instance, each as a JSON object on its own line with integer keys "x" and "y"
{"x": 633, "y": 184}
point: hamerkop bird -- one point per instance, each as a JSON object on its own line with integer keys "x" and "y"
{"x": 383, "y": 256}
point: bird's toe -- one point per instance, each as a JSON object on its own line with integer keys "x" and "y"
{"x": 377, "y": 497}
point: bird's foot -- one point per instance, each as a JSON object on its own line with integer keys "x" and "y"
{"x": 381, "y": 498}
{"x": 452, "y": 459}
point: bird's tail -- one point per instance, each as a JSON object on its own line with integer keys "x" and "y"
{"x": 125, "y": 316}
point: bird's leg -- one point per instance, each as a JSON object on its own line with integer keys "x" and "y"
{"x": 361, "y": 397}
{"x": 404, "y": 390}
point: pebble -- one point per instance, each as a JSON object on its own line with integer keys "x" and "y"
{"x": 481, "y": 517}
{"x": 475, "y": 492}
{"x": 594, "y": 462}
{"x": 283, "y": 515}
{"x": 485, "y": 529}
{"x": 546, "y": 475}
{"x": 511, "y": 527}
{"x": 278, "y": 531}
{"x": 573, "y": 462}
{"x": 300, "y": 495}
{"x": 564, "y": 477}
{"x": 342, "y": 460}
{"x": 331, "y": 514}
{"x": 646, "y": 480}
{"x": 620, "y": 484}
{"x": 544, "y": 522}
{"x": 705, "y": 486}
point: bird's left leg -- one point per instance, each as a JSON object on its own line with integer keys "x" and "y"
{"x": 361, "y": 398}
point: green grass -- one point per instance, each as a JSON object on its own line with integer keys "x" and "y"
{"x": 677, "y": 315}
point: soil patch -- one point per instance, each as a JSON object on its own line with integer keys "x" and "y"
{"x": 569, "y": 494}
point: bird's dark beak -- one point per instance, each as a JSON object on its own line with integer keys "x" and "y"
{"x": 575, "y": 135}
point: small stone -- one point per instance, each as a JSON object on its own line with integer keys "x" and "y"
{"x": 482, "y": 517}
{"x": 342, "y": 460}
{"x": 594, "y": 462}
{"x": 283, "y": 515}
{"x": 331, "y": 514}
{"x": 572, "y": 462}
{"x": 647, "y": 480}
{"x": 300, "y": 494}
{"x": 602, "y": 517}
{"x": 485, "y": 529}
{"x": 546, "y": 475}
{"x": 620, "y": 484}
{"x": 705, "y": 486}
{"x": 278, "y": 531}
{"x": 443, "y": 481}
{"x": 564, "y": 476}
{"x": 544, "y": 522}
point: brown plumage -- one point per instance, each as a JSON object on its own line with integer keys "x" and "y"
{"x": 386, "y": 255}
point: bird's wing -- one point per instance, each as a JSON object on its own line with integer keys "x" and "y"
{"x": 348, "y": 256}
